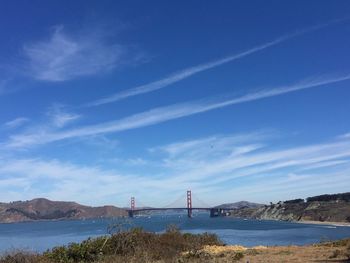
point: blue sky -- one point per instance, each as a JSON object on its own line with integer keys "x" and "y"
{"x": 236, "y": 100}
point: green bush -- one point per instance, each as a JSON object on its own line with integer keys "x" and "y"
{"x": 133, "y": 243}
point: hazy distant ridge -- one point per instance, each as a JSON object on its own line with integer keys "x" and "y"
{"x": 44, "y": 209}
{"x": 239, "y": 205}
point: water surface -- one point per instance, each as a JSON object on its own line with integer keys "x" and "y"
{"x": 39, "y": 236}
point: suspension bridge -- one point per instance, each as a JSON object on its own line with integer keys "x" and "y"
{"x": 213, "y": 211}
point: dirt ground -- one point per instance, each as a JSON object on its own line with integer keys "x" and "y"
{"x": 326, "y": 252}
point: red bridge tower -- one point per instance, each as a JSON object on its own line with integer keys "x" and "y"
{"x": 132, "y": 203}
{"x": 189, "y": 203}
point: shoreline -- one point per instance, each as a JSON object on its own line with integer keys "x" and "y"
{"x": 311, "y": 222}
{"x": 329, "y": 223}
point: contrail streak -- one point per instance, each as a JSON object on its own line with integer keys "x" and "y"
{"x": 188, "y": 72}
{"x": 167, "y": 113}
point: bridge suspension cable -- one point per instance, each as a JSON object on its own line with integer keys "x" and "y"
{"x": 196, "y": 202}
{"x": 179, "y": 202}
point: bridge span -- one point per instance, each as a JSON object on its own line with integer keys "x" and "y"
{"x": 214, "y": 211}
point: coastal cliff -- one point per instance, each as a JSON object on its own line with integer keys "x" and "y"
{"x": 44, "y": 209}
{"x": 323, "y": 208}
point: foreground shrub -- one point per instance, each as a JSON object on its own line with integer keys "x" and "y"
{"x": 134, "y": 243}
{"x": 22, "y": 257}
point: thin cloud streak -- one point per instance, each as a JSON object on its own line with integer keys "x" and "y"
{"x": 163, "y": 114}
{"x": 268, "y": 170}
{"x": 215, "y": 168}
{"x": 186, "y": 73}
{"x": 16, "y": 123}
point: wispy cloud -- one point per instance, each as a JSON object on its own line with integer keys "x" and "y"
{"x": 60, "y": 117}
{"x": 16, "y": 123}
{"x": 228, "y": 167}
{"x": 63, "y": 56}
{"x": 237, "y": 166}
{"x": 167, "y": 113}
{"x": 188, "y": 72}
{"x": 259, "y": 172}
{"x": 346, "y": 135}
{"x": 195, "y": 149}
{"x": 67, "y": 181}
{"x": 55, "y": 119}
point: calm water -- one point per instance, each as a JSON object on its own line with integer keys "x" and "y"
{"x": 40, "y": 236}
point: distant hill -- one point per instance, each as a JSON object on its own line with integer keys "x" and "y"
{"x": 322, "y": 208}
{"x": 239, "y": 205}
{"x": 44, "y": 209}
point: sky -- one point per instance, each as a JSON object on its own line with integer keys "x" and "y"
{"x": 235, "y": 100}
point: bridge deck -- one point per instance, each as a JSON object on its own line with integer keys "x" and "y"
{"x": 175, "y": 208}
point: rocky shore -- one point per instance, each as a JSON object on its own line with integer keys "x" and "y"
{"x": 329, "y": 209}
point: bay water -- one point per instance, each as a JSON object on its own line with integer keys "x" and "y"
{"x": 40, "y": 236}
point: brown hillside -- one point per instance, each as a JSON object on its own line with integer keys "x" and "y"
{"x": 44, "y": 209}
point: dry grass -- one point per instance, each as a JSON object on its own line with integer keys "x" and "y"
{"x": 338, "y": 251}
